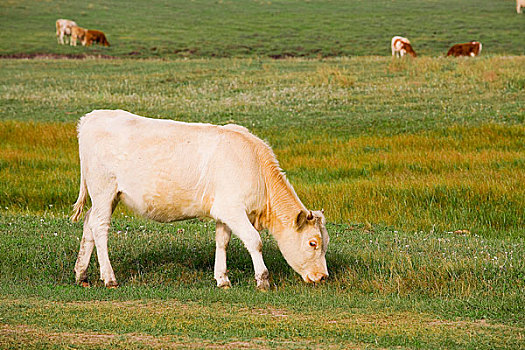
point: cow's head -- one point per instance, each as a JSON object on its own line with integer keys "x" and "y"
{"x": 408, "y": 48}
{"x": 304, "y": 245}
{"x": 477, "y": 47}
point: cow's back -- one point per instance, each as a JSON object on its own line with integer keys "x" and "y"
{"x": 65, "y": 25}
{"x": 472, "y": 48}
{"x": 169, "y": 170}
{"x": 96, "y": 36}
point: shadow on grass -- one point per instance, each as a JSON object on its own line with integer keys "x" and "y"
{"x": 187, "y": 260}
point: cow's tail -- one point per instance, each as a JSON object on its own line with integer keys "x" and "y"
{"x": 81, "y": 201}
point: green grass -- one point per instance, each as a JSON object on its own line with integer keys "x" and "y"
{"x": 367, "y": 139}
{"x": 387, "y": 288}
{"x": 277, "y": 28}
{"x": 393, "y": 150}
{"x": 342, "y": 96}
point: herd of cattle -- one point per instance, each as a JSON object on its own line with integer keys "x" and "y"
{"x": 67, "y": 28}
{"x": 401, "y": 46}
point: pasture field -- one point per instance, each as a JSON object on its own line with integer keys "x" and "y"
{"x": 419, "y": 165}
{"x": 387, "y": 289}
{"x": 263, "y": 28}
{"x": 367, "y": 139}
{"x": 400, "y": 154}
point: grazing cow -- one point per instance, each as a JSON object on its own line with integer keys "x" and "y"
{"x": 471, "y": 49}
{"x": 401, "y": 46}
{"x": 77, "y": 33}
{"x": 95, "y": 36}
{"x": 519, "y": 5}
{"x": 64, "y": 29}
{"x": 169, "y": 171}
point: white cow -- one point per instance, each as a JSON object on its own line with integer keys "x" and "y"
{"x": 168, "y": 171}
{"x": 519, "y": 5}
{"x": 64, "y": 29}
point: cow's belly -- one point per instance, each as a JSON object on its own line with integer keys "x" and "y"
{"x": 166, "y": 206}
{"x": 165, "y": 195}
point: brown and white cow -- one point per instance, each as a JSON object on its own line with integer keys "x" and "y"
{"x": 64, "y": 29}
{"x": 519, "y": 5}
{"x": 169, "y": 171}
{"x": 95, "y": 36}
{"x": 470, "y": 49}
{"x": 401, "y": 46}
{"x": 77, "y": 33}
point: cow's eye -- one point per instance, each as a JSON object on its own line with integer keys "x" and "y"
{"x": 313, "y": 244}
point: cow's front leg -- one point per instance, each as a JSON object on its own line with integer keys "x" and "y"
{"x": 222, "y": 238}
{"x": 241, "y": 226}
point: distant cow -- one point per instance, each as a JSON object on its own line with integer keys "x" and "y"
{"x": 169, "y": 171}
{"x": 471, "y": 49}
{"x": 95, "y": 36}
{"x": 64, "y": 29}
{"x": 401, "y": 46}
{"x": 519, "y": 5}
{"x": 77, "y": 33}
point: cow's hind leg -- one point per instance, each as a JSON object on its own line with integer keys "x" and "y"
{"x": 222, "y": 238}
{"x": 84, "y": 254}
{"x": 239, "y": 223}
{"x": 99, "y": 220}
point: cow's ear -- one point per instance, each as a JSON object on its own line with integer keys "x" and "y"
{"x": 310, "y": 215}
{"x": 300, "y": 220}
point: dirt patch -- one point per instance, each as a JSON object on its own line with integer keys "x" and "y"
{"x": 283, "y": 56}
{"x": 53, "y": 56}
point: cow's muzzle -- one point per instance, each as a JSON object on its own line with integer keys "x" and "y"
{"x": 315, "y": 277}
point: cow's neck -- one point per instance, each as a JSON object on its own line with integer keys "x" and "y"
{"x": 282, "y": 203}
{"x": 283, "y": 207}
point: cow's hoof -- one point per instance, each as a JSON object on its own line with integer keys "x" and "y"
{"x": 83, "y": 283}
{"x": 223, "y": 281}
{"x": 263, "y": 282}
{"x": 263, "y": 285}
{"x": 224, "y": 285}
{"x": 111, "y": 284}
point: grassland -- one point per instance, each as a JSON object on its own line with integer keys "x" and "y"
{"x": 419, "y": 165}
{"x": 392, "y": 150}
{"x": 388, "y": 288}
{"x": 398, "y": 142}
{"x": 256, "y": 28}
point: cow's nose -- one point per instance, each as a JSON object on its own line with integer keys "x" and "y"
{"x": 317, "y": 277}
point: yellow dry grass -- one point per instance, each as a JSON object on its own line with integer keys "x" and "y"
{"x": 458, "y": 178}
